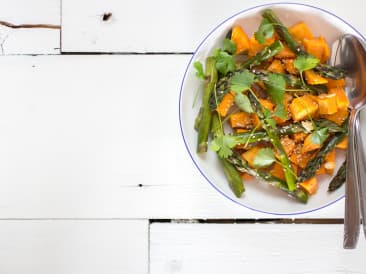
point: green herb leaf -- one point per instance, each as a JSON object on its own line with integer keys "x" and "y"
{"x": 241, "y": 81}
{"x": 268, "y": 117}
{"x": 280, "y": 112}
{"x": 229, "y": 46}
{"x": 199, "y": 70}
{"x": 305, "y": 62}
{"x": 319, "y": 136}
{"x": 242, "y": 101}
{"x": 276, "y": 85}
{"x": 265, "y": 30}
{"x": 265, "y": 157}
{"x": 224, "y": 62}
{"x": 223, "y": 145}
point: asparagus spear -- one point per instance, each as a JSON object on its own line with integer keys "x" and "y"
{"x": 205, "y": 112}
{"x": 232, "y": 175}
{"x": 243, "y": 166}
{"x": 253, "y": 137}
{"x": 275, "y": 140}
{"x": 282, "y": 31}
{"x": 339, "y": 179}
{"x": 315, "y": 163}
{"x": 330, "y": 71}
{"x": 263, "y": 55}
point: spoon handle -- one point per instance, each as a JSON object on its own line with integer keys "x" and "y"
{"x": 352, "y": 213}
{"x": 361, "y": 168}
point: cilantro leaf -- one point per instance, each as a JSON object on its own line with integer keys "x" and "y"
{"x": 319, "y": 136}
{"x": 280, "y": 111}
{"x": 223, "y": 145}
{"x": 276, "y": 86}
{"x": 229, "y": 46}
{"x": 265, "y": 30}
{"x": 305, "y": 62}
{"x": 265, "y": 157}
{"x": 199, "y": 70}
{"x": 224, "y": 62}
{"x": 241, "y": 81}
{"x": 242, "y": 101}
{"x": 268, "y": 117}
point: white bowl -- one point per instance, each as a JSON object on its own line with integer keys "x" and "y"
{"x": 258, "y": 195}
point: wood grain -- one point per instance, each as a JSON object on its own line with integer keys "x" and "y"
{"x": 83, "y": 247}
{"x": 160, "y": 26}
{"x": 30, "y": 27}
{"x": 248, "y": 248}
{"x": 98, "y": 137}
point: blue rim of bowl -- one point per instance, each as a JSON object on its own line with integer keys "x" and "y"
{"x": 181, "y": 90}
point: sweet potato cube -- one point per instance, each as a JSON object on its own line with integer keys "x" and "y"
{"x": 240, "y": 38}
{"x": 303, "y": 107}
{"x": 289, "y": 66}
{"x": 343, "y": 144}
{"x": 327, "y": 103}
{"x": 313, "y": 78}
{"x": 267, "y": 104}
{"x": 340, "y": 83}
{"x": 309, "y": 145}
{"x": 250, "y": 154}
{"x": 285, "y": 53}
{"x": 226, "y": 103}
{"x": 318, "y": 47}
{"x": 330, "y": 162}
{"x": 341, "y": 97}
{"x": 288, "y": 144}
{"x": 276, "y": 66}
{"x": 277, "y": 171}
{"x": 339, "y": 117}
{"x": 300, "y": 31}
{"x": 240, "y": 120}
{"x": 310, "y": 186}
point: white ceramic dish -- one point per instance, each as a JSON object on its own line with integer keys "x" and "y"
{"x": 258, "y": 195}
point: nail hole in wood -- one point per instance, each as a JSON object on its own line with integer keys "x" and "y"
{"x": 106, "y": 16}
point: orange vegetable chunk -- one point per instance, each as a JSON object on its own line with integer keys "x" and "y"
{"x": 309, "y": 145}
{"x": 318, "y": 47}
{"x": 226, "y": 103}
{"x": 339, "y": 117}
{"x": 285, "y": 53}
{"x": 276, "y": 66}
{"x": 300, "y": 31}
{"x": 310, "y": 186}
{"x": 277, "y": 171}
{"x": 327, "y": 103}
{"x": 343, "y": 144}
{"x": 303, "y": 107}
{"x": 240, "y": 120}
{"x": 336, "y": 83}
{"x": 250, "y": 154}
{"x": 341, "y": 97}
{"x": 330, "y": 162}
{"x": 240, "y": 38}
{"x": 313, "y": 78}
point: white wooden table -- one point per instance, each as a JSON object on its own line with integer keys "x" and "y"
{"x": 94, "y": 174}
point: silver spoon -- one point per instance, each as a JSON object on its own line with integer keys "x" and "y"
{"x": 351, "y": 56}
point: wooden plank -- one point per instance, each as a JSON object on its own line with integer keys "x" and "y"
{"x": 44, "y": 39}
{"x": 258, "y": 248}
{"x": 160, "y": 26}
{"x": 90, "y": 247}
{"x": 99, "y": 137}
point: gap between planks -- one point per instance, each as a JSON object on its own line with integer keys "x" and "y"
{"x": 195, "y": 221}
